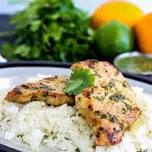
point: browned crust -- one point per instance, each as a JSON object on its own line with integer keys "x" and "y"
{"x": 41, "y": 91}
{"x": 110, "y": 126}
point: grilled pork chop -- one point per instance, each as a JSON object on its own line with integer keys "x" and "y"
{"x": 109, "y": 106}
{"x": 49, "y": 90}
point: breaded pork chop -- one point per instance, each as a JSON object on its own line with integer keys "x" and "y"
{"x": 109, "y": 106}
{"x": 49, "y": 90}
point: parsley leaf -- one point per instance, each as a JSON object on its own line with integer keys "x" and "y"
{"x": 79, "y": 80}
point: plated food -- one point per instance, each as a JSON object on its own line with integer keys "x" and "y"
{"x": 98, "y": 111}
{"x": 49, "y": 90}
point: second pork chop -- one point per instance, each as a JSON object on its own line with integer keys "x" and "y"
{"x": 49, "y": 90}
{"x": 109, "y": 106}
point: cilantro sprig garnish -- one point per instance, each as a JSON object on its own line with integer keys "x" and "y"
{"x": 79, "y": 80}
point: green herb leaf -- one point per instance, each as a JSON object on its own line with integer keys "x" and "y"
{"x": 35, "y": 25}
{"x": 51, "y": 30}
{"x": 22, "y": 50}
{"x": 79, "y": 80}
{"x": 55, "y": 31}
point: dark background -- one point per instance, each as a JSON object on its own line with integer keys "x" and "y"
{"x": 5, "y": 26}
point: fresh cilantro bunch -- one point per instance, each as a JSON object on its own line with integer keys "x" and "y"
{"x": 51, "y": 30}
{"x": 79, "y": 80}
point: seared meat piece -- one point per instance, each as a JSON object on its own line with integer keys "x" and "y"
{"x": 49, "y": 90}
{"x": 109, "y": 106}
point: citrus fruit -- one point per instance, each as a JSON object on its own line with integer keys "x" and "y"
{"x": 143, "y": 31}
{"x": 122, "y": 11}
{"x": 113, "y": 38}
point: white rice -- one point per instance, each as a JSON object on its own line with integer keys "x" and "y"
{"x": 63, "y": 128}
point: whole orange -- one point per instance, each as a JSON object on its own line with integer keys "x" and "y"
{"x": 122, "y": 11}
{"x": 143, "y": 31}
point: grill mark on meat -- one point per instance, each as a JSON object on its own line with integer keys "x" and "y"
{"x": 17, "y": 90}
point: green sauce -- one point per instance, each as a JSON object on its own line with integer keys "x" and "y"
{"x": 135, "y": 64}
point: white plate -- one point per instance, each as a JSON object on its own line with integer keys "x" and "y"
{"x": 16, "y": 75}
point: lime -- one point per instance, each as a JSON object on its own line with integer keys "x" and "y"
{"x": 114, "y": 38}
